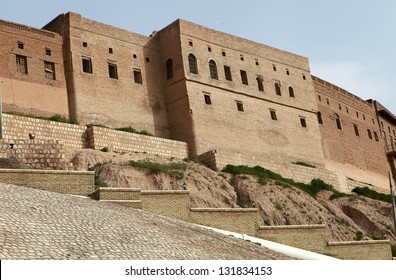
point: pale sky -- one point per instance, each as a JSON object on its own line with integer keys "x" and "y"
{"x": 349, "y": 43}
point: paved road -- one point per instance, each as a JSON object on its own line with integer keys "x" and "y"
{"x": 37, "y": 224}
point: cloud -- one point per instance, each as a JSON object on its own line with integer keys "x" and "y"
{"x": 365, "y": 81}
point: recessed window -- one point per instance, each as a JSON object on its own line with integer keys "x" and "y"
{"x": 303, "y": 122}
{"x": 134, "y": 56}
{"x": 208, "y": 101}
{"x": 147, "y": 59}
{"x": 242, "y": 58}
{"x": 364, "y": 117}
{"x": 48, "y": 52}
{"x": 277, "y": 88}
{"x": 169, "y": 69}
{"x": 244, "y": 77}
{"x": 376, "y": 136}
{"x": 339, "y": 106}
{"x": 338, "y": 123}
{"x": 287, "y": 72}
{"x": 113, "y": 73}
{"x": 87, "y": 65}
{"x": 369, "y": 134}
{"x": 274, "y": 67}
{"x": 190, "y": 43}
{"x": 240, "y": 106}
{"x": 291, "y": 92}
{"x": 257, "y": 62}
{"x": 21, "y": 64}
{"x": 192, "y": 62}
{"x": 213, "y": 70}
{"x": 347, "y": 110}
{"x": 21, "y": 45}
{"x": 320, "y": 98}
{"x": 223, "y": 53}
{"x": 327, "y": 101}
{"x": 304, "y": 77}
{"x": 273, "y": 115}
{"x": 49, "y": 69}
{"x": 110, "y": 50}
{"x": 320, "y": 120}
{"x": 209, "y": 49}
{"x": 85, "y": 44}
{"x": 260, "y": 82}
{"x": 356, "y": 129}
{"x": 373, "y": 120}
{"x": 389, "y": 129}
{"x": 137, "y": 76}
{"x": 227, "y": 73}
{"x": 357, "y": 114}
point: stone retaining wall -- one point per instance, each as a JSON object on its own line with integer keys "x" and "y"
{"x": 361, "y": 250}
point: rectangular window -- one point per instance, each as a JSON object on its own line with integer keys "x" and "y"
{"x": 273, "y": 115}
{"x": 21, "y": 45}
{"x": 113, "y": 74}
{"x": 303, "y": 122}
{"x": 110, "y": 50}
{"x": 376, "y": 136}
{"x": 320, "y": 120}
{"x": 49, "y": 69}
{"x": 208, "y": 101}
{"x": 244, "y": 77}
{"x": 355, "y": 127}
{"x": 260, "y": 82}
{"x": 338, "y": 123}
{"x": 48, "y": 52}
{"x": 240, "y": 106}
{"x": 87, "y": 65}
{"x": 227, "y": 73}
{"x": 369, "y": 134}
{"x": 137, "y": 75}
{"x": 21, "y": 64}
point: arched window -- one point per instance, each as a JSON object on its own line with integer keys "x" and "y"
{"x": 277, "y": 89}
{"x": 291, "y": 92}
{"x": 213, "y": 69}
{"x": 192, "y": 62}
{"x": 169, "y": 69}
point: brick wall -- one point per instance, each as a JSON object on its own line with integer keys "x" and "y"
{"x": 67, "y": 182}
{"x": 18, "y": 127}
{"x": 174, "y": 204}
{"x": 120, "y": 141}
{"x": 360, "y": 250}
{"x": 117, "y": 194}
{"x": 308, "y": 237}
{"x": 39, "y": 154}
{"x": 241, "y": 220}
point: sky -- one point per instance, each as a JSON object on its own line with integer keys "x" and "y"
{"x": 348, "y": 42}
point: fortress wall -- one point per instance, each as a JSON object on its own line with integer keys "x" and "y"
{"x": 241, "y": 220}
{"x": 67, "y": 182}
{"x": 120, "y": 141}
{"x": 308, "y": 237}
{"x": 360, "y": 250}
{"x": 19, "y": 127}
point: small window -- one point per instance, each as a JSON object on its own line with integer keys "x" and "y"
{"x": 190, "y": 43}
{"x": 260, "y": 82}
{"x": 320, "y": 120}
{"x": 347, "y": 110}
{"x": 278, "y": 89}
{"x": 209, "y": 49}
{"x": 373, "y": 120}
{"x": 192, "y": 61}
{"x": 339, "y": 107}
{"x": 287, "y": 72}
{"x": 357, "y": 114}
{"x": 394, "y": 133}
{"x": 48, "y": 52}
{"x": 110, "y": 50}
{"x": 382, "y": 125}
{"x": 257, "y": 62}
{"x": 274, "y": 67}
{"x": 389, "y": 129}
{"x": 113, "y": 74}
{"x": 356, "y": 128}
{"x": 338, "y": 123}
{"x": 21, "y": 45}
{"x": 291, "y": 92}
{"x": 21, "y": 64}
{"x": 320, "y": 98}
{"x": 227, "y": 73}
{"x": 239, "y": 106}
{"x": 137, "y": 76}
{"x": 169, "y": 69}
{"x": 244, "y": 77}
{"x": 213, "y": 70}
{"x": 85, "y": 44}
{"x": 223, "y": 53}
{"x": 327, "y": 101}
{"x": 134, "y": 56}
{"x": 87, "y": 65}
{"x": 208, "y": 101}
{"x": 376, "y": 136}
{"x": 303, "y": 122}
{"x": 242, "y": 58}
{"x": 369, "y": 134}
{"x": 304, "y": 78}
{"x": 364, "y": 117}
{"x": 273, "y": 115}
{"x": 147, "y": 59}
{"x": 49, "y": 69}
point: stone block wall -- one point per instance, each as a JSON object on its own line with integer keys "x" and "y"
{"x": 19, "y": 127}
{"x": 66, "y": 182}
{"x": 308, "y": 237}
{"x": 241, "y": 220}
{"x": 117, "y": 194}
{"x": 120, "y": 141}
{"x": 360, "y": 250}
{"x": 38, "y": 154}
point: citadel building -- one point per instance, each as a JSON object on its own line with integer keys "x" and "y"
{"x": 231, "y": 99}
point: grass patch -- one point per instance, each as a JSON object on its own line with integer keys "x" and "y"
{"x": 304, "y": 164}
{"x": 173, "y": 169}
{"x": 266, "y": 176}
{"x": 132, "y": 130}
{"x": 101, "y": 183}
{"x": 337, "y": 194}
{"x": 372, "y": 194}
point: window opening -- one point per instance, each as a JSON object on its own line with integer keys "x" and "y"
{"x": 320, "y": 120}
{"x": 260, "y": 82}
{"x": 113, "y": 74}
{"x": 291, "y": 92}
{"x": 369, "y": 134}
{"x": 356, "y": 128}
{"x": 87, "y": 65}
{"x": 273, "y": 115}
{"x": 240, "y": 106}
{"x": 244, "y": 77}
{"x": 21, "y": 64}
{"x": 213, "y": 70}
{"x": 169, "y": 69}
{"x": 137, "y": 75}
{"x": 192, "y": 61}
{"x": 208, "y": 101}
{"x": 303, "y": 122}
{"x": 277, "y": 89}
{"x": 227, "y": 73}
{"x": 49, "y": 69}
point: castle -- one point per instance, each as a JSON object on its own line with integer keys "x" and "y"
{"x": 233, "y": 101}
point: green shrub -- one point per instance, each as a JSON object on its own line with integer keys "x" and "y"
{"x": 337, "y": 194}
{"x": 99, "y": 182}
{"x": 267, "y": 222}
{"x": 105, "y": 149}
{"x": 55, "y": 118}
{"x": 372, "y": 194}
{"x": 358, "y": 235}
{"x": 173, "y": 169}
{"x": 393, "y": 251}
{"x": 132, "y": 130}
{"x": 304, "y": 164}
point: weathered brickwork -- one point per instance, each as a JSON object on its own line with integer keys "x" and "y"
{"x": 360, "y": 250}
{"x": 38, "y": 154}
{"x": 120, "y": 141}
{"x": 67, "y": 182}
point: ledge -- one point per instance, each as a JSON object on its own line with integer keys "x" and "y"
{"x": 358, "y": 242}
{"x": 118, "y": 190}
{"x": 317, "y": 226}
{"x": 223, "y": 210}
{"x": 164, "y": 192}
{"x": 40, "y": 171}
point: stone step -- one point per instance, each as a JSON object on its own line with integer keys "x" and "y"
{"x": 136, "y": 204}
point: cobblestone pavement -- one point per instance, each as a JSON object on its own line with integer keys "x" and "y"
{"x": 37, "y": 224}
